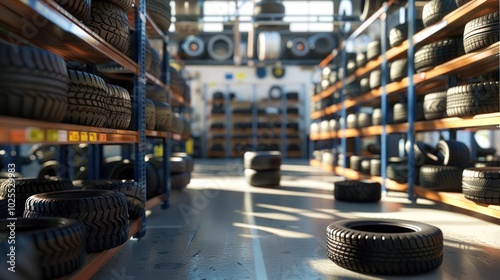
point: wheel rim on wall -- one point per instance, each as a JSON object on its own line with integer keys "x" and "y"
{"x": 322, "y": 43}
{"x": 193, "y": 47}
{"x": 220, "y": 47}
{"x": 298, "y": 46}
{"x": 269, "y": 45}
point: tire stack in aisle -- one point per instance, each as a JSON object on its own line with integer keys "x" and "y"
{"x": 181, "y": 168}
{"x": 262, "y": 169}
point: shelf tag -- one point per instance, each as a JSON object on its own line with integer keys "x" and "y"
{"x": 84, "y": 136}
{"x": 52, "y": 135}
{"x": 34, "y": 134}
{"x": 62, "y": 136}
{"x": 102, "y": 137}
{"x": 93, "y": 136}
{"x": 73, "y": 136}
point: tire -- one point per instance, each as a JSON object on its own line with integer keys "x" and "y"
{"x": 179, "y": 181}
{"x": 436, "y": 10}
{"x": 34, "y": 83}
{"x": 298, "y": 47}
{"x": 80, "y": 9}
{"x": 373, "y": 149}
{"x": 220, "y": 47}
{"x": 150, "y": 114}
{"x": 268, "y": 7}
{"x": 155, "y": 69}
{"x": 124, "y": 170}
{"x": 275, "y": 93}
{"x": 399, "y": 33}
{"x": 481, "y": 185}
{"x": 189, "y": 160}
{"x": 328, "y": 158}
{"x": 364, "y": 85}
{"x": 438, "y": 53}
{"x": 399, "y": 70}
{"x": 357, "y": 191}
{"x": 398, "y": 172}
{"x": 124, "y": 4}
{"x": 156, "y": 93}
{"x": 375, "y": 79}
{"x": 322, "y": 44}
{"x": 88, "y": 100}
{"x": 120, "y": 108}
{"x": 352, "y": 121}
{"x": 351, "y": 66}
{"x": 160, "y": 11}
{"x": 104, "y": 214}
{"x": 453, "y": 153}
{"x": 42, "y": 153}
{"x": 111, "y": 23}
{"x": 333, "y": 125}
{"x": 373, "y": 50}
{"x": 400, "y": 114}
{"x": 385, "y": 246}
{"x": 26, "y": 187}
{"x": 375, "y": 167}
{"x": 435, "y": 105}
{"x": 361, "y": 60}
{"x": 178, "y": 165}
{"x": 58, "y": 246}
{"x": 424, "y": 154}
{"x": 193, "y": 47}
{"x": 352, "y": 90}
{"x": 364, "y": 120}
{"x": 263, "y": 178}
{"x": 163, "y": 116}
{"x": 377, "y": 117}
{"x": 133, "y": 194}
{"x": 473, "y": 99}
{"x": 131, "y": 50}
{"x": 355, "y": 162}
{"x": 441, "y": 178}
{"x": 262, "y": 161}
{"x": 365, "y": 166}
{"x": 461, "y": 2}
{"x": 481, "y": 32}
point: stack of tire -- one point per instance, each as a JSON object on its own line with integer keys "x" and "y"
{"x": 181, "y": 167}
{"x": 262, "y": 169}
{"x": 357, "y": 191}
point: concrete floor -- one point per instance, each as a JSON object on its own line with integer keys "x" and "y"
{"x": 221, "y": 228}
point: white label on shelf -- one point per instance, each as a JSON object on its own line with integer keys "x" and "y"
{"x": 62, "y": 135}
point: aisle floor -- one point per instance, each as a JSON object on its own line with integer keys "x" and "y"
{"x": 221, "y": 228}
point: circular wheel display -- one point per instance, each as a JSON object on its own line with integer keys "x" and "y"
{"x": 193, "y": 47}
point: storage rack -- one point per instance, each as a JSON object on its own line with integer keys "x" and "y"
{"x": 63, "y": 34}
{"x": 468, "y": 65}
{"x": 251, "y": 134}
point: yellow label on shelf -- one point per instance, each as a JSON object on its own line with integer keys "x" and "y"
{"x": 102, "y": 137}
{"x": 84, "y": 136}
{"x": 93, "y": 136}
{"x": 158, "y": 151}
{"x": 35, "y": 134}
{"x": 52, "y": 135}
{"x": 73, "y": 136}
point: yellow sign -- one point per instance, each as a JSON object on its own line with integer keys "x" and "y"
{"x": 35, "y": 135}
{"x": 73, "y": 136}
{"x": 102, "y": 137}
{"x": 52, "y": 135}
{"x": 93, "y": 136}
{"x": 84, "y": 136}
{"x": 240, "y": 76}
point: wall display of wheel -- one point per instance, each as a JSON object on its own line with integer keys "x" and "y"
{"x": 193, "y": 47}
{"x": 268, "y": 45}
{"x": 220, "y": 47}
{"x": 298, "y": 47}
{"x": 321, "y": 44}
{"x": 385, "y": 246}
{"x": 104, "y": 214}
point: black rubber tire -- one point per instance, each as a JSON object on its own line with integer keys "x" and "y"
{"x": 375, "y": 79}
{"x": 26, "y": 187}
{"x": 364, "y": 120}
{"x": 124, "y": 4}
{"x": 34, "y": 83}
{"x": 351, "y": 66}
{"x": 80, "y": 9}
{"x": 385, "y": 246}
{"x": 160, "y": 11}
{"x": 364, "y": 85}
{"x": 298, "y": 47}
{"x": 263, "y": 178}
{"x": 355, "y": 162}
{"x": 481, "y": 185}
{"x": 124, "y": 170}
{"x": 220, "y": 47}
{"x": 435, "y": 105}
{"x": 88, "y": 100}
{"x": 58, "y": 246}
{"x": 268, "y": 7}
{"x": 453, "y": 153}
{"x": 375, "y": 167}
{"x": 333, "y": 125}
{"x": 178, "y": 165}
{"x": 438, "y": 53}
{"x": 156, "y": 93}
{"x": 120, "y": 108}
{"x": 400, "y": 112}
{"x": 28, "y": 266}
{"x": 352, "y": 90}
{"x": 322, "y": 44}
{"x": 373, "y": 50}
{"x": 361, "y": 59}
{"x": 441, "y": 178}
{"x": 163, "y": 116}
{"x": 399, "y": 33}
{"x": 42, "y": 153}
{"x": 473, "y": 99}
{"x": 131, "y": 50}
{"x": 275, "y": 93}
{"x": 398, "y": 70}
{"x": 398, "y": 172}
{"x": 156, "y": 60}
{"x": 292, "y": 96}
{"x": 111, "y": 23}
{"x": 357, "y": 191}
{"x": 188, "y": 158}
{"x": 150, "y": 114}
{"x": 424, "y": 154}
{"x": 333, "y": 77}
{"x": 461, "y": 2}
{"x": 365, "y": 166}
{"x": 133, "y": 194}
{"x": 104, "y": 214}
{"x": 352, "y": 121}
{"x": 179, "y": 181}
{"x": 377, "y": 117}
{"x": 262, "y": 161}
{"x": 435, "y": 10}
{"x": 481, "y": 32}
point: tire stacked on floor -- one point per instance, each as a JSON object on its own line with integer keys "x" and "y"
{"x": 180, "y": 171}
{"x": 262, "y": 169}
{"x": 357, "y": 191}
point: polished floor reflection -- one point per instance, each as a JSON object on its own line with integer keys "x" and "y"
{"x": 221, "y": 228}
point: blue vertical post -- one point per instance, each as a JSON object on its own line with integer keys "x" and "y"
{"x": 227, "y": 110}
{"x": 383, "y": 98}
{"x": 166, "y": 141}
{"x": 140, "y": 105}
{"x": 411, "y": 98}
{"x": 284, "y": 123}
{"x": 254, "y": 118}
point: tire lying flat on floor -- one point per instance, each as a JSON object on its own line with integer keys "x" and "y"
{"x": 385, "y": 246}
{"x": 357, "y": 191}
{"x": 263, "y": 178}
{"x": 58, "y": 244}
{"x": 104, "y": 214}
{"x": 262, "y": 160}
{"x": 482, "y": 185}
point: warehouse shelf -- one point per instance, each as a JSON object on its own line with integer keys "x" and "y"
{"x": 448, "y": 198}
{"x": 154, "y": 201}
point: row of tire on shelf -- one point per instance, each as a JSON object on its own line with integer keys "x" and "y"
{"x": 59, "y": 221}
{"x": 39, "y": 84}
